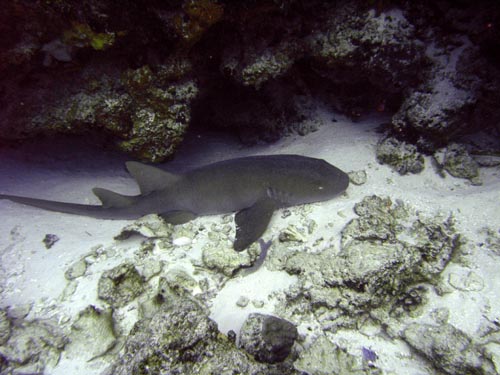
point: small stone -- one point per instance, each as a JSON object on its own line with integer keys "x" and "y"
{"x": 182, "y": 241}
{"x": 357, "y": 177}
{"x": 258, "y": 303}
{"x": 20, "y": 311}
{"x": 231, "y": 336}
{"x": 242, "y": 301}
{"x": 459, "y": 163}
{"x": 268, "y": 338}
{"x": 286, "y": 213}
{"x": 400, "y": 156}
{"x": 49, "y": 240}
{"x": 120, "y": 285}
{"x": 487, "y": 160}
{"x": 92, "y": 334}
{"x": 77, "y": 269}
{"x": 227, "y": 261}
{"x": 311, "y": 226}
{"x": 150, "y": 226}
{"x": 291, "y": 234}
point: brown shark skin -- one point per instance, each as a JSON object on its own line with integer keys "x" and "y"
{"x": 228, "y": 186}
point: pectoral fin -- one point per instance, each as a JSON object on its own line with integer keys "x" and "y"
{"x": 177, "y": 217}
{"x": 252, "y": 222}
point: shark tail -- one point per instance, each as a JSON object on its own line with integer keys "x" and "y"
{"x": 95, "y": 211}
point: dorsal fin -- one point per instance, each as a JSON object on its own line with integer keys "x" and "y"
{"x": 110, "y": 199}
{"x": 150, "y": 178}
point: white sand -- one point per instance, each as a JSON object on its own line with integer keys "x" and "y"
{"x": 31, "y": 275}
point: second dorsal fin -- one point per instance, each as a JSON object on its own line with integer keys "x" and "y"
{"x": 110, "y": 199}
{"x": 150, "y": 178}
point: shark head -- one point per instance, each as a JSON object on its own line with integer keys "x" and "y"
{"x": 312, "y": 180}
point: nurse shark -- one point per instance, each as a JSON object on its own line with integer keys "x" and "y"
{"x": 253, "y": 187}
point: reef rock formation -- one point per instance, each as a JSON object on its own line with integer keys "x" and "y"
{"x": 141, "y": 74}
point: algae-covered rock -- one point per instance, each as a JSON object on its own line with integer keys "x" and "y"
{"x": 442, "y": 105}
{"x": 390, "y": 245}
{"x": 292, "y": 234}
{"x": 492, "y": 239}
{"x": 81, "y": 35}
{"x": 224, "y": 259}
{"x": 76, "y": 270}
{"x": 359, "y": 35}
{"x": 32, "y": 347}
{"x": 160, "y": 117}
{"x": 267, "y": 338}
{"x": 261, "y": 66}
{"x": 149, "y": 226}
{"x": 378, "y": 220}
{"x": 371, "y": 268}
{"x": 324, "y": 358}
{"x": 385, "y": 253}
{"x": 359, "y": 58}
{"x": 179, "y": 338}
{"x": 255, "y": 64}
{"x": 181, "y": 282}
{"x": 459, "y": 163}
{"x": 4, "y": 327}
{"x": 447, "y": 348}
{"x": 146, "y": 113}
{"x": 92, "y": 334}
{"x": 400, "y": 156}
{"x": 120, "y": 285}
{"x": 357, "y": 177}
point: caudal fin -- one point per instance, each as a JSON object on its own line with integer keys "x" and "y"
{"x": 69, "y": 208}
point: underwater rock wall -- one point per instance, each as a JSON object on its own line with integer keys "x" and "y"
{"x": 141, "y": 73}
{"x": 152, "y": 314}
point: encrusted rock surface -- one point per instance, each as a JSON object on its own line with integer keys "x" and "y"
{"x": 459, "y": 163}
{"x": 180, "y": 338}
{"x": 120, "y": 285}
{"x": 92, "y": 334}
{"x": 224, "y": 259}
{"x": 267, "y": 338}
{"x": 324, "y": 357}
{"x": 140, "y": 75}
{"x": 404, "y": 158}
{"x": 358, "y": 177}
{"x": 150, "y": 226}
{"x": 384, "y": 252}
{"x": 146, "y": 112}
{"x": 29, "y": 347}
{"x": 5, "y": 327}
{"x": 448, "y": 348}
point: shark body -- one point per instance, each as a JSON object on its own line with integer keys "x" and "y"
{"x": 254, "y": 187}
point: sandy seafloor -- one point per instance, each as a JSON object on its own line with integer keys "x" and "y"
{"x": 32, "y": 277}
